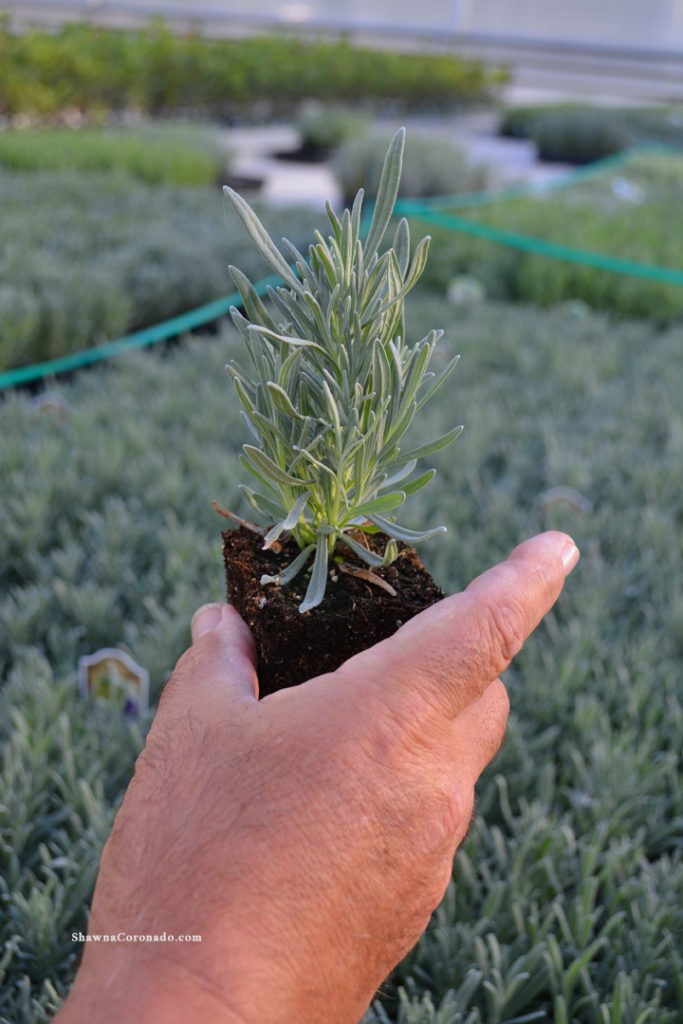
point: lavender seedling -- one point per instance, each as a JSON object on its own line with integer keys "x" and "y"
{"x": 332, "y": 386}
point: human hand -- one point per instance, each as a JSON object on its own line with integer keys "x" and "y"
{"x": 309, "y": 836}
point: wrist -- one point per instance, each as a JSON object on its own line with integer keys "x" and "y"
{"x": 149, "y": 989}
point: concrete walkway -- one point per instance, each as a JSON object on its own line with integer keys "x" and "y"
{"x": 287, "y": 183}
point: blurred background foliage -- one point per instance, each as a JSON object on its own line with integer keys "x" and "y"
{"x": 159, "y": 73}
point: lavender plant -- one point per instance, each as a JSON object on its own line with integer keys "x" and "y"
{"x": 332, "y": 385}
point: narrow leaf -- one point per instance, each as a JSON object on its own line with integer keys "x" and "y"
{"x": 269, "y": 432}
{"x": 264, "y": 479}
{"x": 288, "y": 371}
{"x": 285, "y": 339}
{"x": 261, "y": 238}
{"x": 296, "y": 511}
{"x": 419, "y": 481}
{"x": 289, "y": 522}
{"x": 401, "y": 533}
{"x": 306, "y": 454}
{"x": 307, "y": 275}
{"x": 386, "y": 193}
{"x": 264, "y": 505}
{"x": 437, "y": 381}
{"x": 401, "y": 474}
{"x": 384, "y": 503}
{"x": 419, "y": 361}
{"x": 381, "y": 373}
{"x": 404, "y": 418}
{"x": 242, "y": 393}
{"x": 253, "y": 306}
{"x": 249, "y": 424}
{"x": 295, "y": 567}
{"x": 332, "y": 409}
{"x": 399, "y": 287}
{"x": 401, "y": 245}
{"x": 369, "y": 557}
{"x": 333, "y": 219}
{"x": 430, "y": 447}
{"x": 266, "y": 465}
{"x": 318, "y": 582}
{"x": 346, "y": 244}
{"x": 396, "y": 366}
{"x": 322, "y": 251}
{"x": 390, "y": 552}
{"x": 356, "y": 214}
{"x": 282, "y": 401}
{"x": 417, "y": 266}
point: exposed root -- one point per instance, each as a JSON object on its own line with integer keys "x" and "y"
{"x": 361, "y": 537}
{"x": 242, "y": 522}
{"x": 368, "y": 575}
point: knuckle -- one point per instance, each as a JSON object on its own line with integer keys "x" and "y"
{"x": 183, "y": 671}
{"x": 502, "y": 706}
{"x": 393, "y": 728}
{"x": 444, "y": 821}
{"x": 458, "y": 812}
{"x": 438, "y": 832}
{"x": 504, "y": 633}
{"x": 435, "y": 888}
{"x": 441, "y": 666}
{"x": 492, "y": 724}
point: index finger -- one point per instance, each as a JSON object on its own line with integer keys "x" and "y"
{"x": 447, "y": 655}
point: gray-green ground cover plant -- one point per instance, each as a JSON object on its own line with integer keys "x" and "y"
{"x": 333, "y": 384}
{"x": 580, "y": 133}
{"x": 432, "y": 165}
{"x": 85, "y": 258}
{"x": 158, "y": 154}
{"x": 566, "y": 897}
{"x": 624, "y": 212}
{"x": 323, "y": 127}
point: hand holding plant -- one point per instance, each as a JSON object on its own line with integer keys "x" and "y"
{"x": 320, "y": 862}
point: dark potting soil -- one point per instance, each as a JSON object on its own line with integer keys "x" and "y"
{"x": 354, "y": 615}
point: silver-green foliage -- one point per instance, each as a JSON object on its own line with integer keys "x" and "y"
{"x": 107, "y": 536}
{"x": 433, "y": 165}
{"x": 333, "y": 385}
{"x": 87, "y": 257}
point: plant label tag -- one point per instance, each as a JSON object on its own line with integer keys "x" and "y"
{"x": 112, "y": 674}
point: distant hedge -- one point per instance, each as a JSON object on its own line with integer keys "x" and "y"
{"x": 98, "y": 70}
{"x": 578, "y": 133}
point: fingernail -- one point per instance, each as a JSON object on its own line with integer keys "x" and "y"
{"x": 204, "y": 620}
{"x": 570, "y": 556}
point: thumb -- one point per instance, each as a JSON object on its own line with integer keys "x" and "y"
{"x": 444, "y": 658}
{"x": 217, "y": 671}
